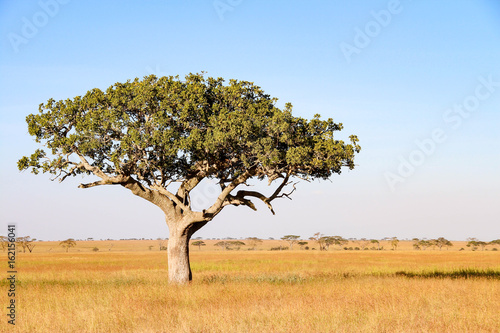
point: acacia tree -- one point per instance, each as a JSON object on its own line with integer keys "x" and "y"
{"x": 253, "y": 242}
{"x": 339, "y": 240}
{"x": 494, "y": 242}
{"x": 161, "y": 137}
{"x": 291, "y": 239}
{"x": 227, "y": 244}
{"x": 441, "y": 241}
{"x": 198, "y": 243}
{"x": 363, "y": 243}
{"x": 393, "y": 241}
{"x": 26, "y": 242}
{"x": 375, "y": 241}
{"x": 318, "y": 238}
{"x": 68, "y": 243}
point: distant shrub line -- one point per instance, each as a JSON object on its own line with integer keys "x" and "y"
{"x": 465, "y": 273}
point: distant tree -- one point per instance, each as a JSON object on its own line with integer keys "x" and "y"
{"x": 374, "y": 241}
{"x": 333, "y": 240}
{"x": 199, "y": 243}
{"x": 291, "y": 239}
{"x": 440, "y": 242}
{"x": 394, "y": 241}
{"x": 222, "y": 244}
{"x": 237, "y": 244}
{"x": 494, "y": 242}
{"x": 339, "y": 241}
{"x": 473, "y": 243}
{"x": 433, "y": 243}
{"x": 327, "y": 241}
{"x": 302, "y": 243}
{"x": 68, "y": 243}
{"x": 482, "y": 245}
{"x": 318, "y": 238}
{"x": 362, "y": 242}
{"x": 253, "y": 242}
{"x": 26, "y": 243}
{"x": 228, "y": 244}
{"x": 416, "y": 244}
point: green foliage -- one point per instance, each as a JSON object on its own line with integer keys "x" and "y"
{"x": 163, "y": 129}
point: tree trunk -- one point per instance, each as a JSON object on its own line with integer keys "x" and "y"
{"x": 179, "y": 270}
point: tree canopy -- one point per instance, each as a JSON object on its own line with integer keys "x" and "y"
{"x": 157, "y": 131}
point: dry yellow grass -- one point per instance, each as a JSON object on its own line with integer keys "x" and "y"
{"x": 126, "y": 290}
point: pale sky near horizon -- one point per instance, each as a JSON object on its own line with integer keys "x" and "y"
{"x": 417, "y": 81}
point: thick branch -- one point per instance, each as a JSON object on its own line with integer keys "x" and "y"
{"x": 278, "y": 190}
{"x": 172, "y": 197}
{"x": 239, "y": 201}
{"x": 242, "y": 194}
{"x": 154, "y": 197}
{"x": 97, "y": 183}
{"x": 95, "y": 170}
{"x": 219, "y": 203}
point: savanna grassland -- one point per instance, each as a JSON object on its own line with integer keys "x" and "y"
{"x": 123, "y": 288}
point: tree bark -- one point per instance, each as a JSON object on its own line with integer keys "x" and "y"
{"x": 179, "y": 269}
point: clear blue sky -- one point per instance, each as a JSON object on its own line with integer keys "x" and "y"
{"x": 417, "y": 81}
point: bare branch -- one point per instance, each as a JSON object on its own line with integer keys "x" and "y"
{"x": 97, "y": 183}
{"x": 278, "y": 190}
{"x": 288, "y": 194}
{"x": 68, "y": 173}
